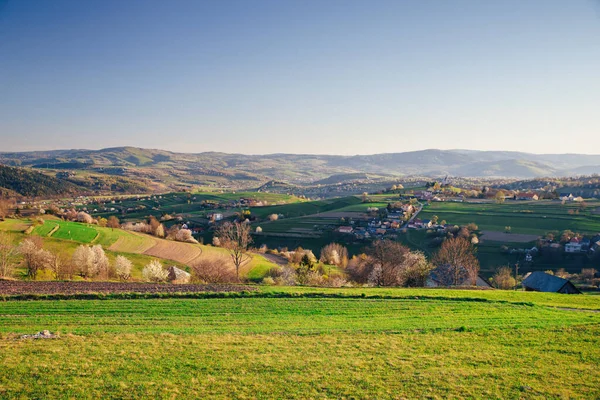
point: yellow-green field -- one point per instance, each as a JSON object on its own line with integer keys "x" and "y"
{"x": 407, "y": 344}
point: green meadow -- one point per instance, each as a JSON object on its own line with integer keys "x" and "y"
{"x": 306, "y": 343}
{"x": 536, "y": 217}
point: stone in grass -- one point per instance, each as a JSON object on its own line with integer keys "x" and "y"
{"x": 45, "y": 334}
{"x": 177, "y": 275}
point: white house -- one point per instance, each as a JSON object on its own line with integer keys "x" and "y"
{"x": 572, "y": 247}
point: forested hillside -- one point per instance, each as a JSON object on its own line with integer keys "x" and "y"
{"x": 31, "y": 183}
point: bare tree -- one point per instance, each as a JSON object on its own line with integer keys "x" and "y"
{"x": 213, "y": 270}
{"x": 386, "y": 261}
{"x": 8, "y": 255}
{"x": 113, "y": 222}
{"x": 236, "y": 238}
{"x": 456, "y": 262}
{"x": 59, "y": 265}
{"x": 5, "y": 207}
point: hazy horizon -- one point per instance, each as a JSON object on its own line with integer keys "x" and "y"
{"x": 298, "y": 154}
{"x": 301, "y": 77}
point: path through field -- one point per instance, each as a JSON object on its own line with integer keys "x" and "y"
{"x": 274, "y": 258}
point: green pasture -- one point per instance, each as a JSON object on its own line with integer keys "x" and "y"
{"x": 410, "y": 343}
{"x": 305, "y": 208}
{"x": 538, "y": 217}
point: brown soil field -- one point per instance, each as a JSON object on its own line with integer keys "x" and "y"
{"x": 184, "y": 253}
{"x": 51, "y": 287}
{"x": 134, "y": 243}
{"x": 495, "y": 236}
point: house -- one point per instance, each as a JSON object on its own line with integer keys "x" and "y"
{"x": 215, "y": 216}
{"x": 345, "y": 229}
{"x": 539, "y": 281}
{"x": 573, "y": 247}
{"x": 566, "y": 196}
{"x": 527, "y": 196}
{"x": 395, "y": 215}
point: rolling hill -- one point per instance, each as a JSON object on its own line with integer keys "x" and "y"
{"x": 164, "y": 169}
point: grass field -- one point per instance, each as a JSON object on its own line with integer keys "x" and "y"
{"x": 408, "y": 344}
{"x": 185, "y": 203}
{"x": 537, "y": 217}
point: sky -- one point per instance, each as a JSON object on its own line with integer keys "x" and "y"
{"x": 307, "y": 76}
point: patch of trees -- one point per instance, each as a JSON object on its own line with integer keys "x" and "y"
{"x": 388, "y": 263}
{"x": 30, "y": 183}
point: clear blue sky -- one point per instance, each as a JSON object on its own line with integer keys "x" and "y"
{"x": 322, "y": 76}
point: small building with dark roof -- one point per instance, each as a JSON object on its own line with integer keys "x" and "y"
{"x": 539, "y": 281}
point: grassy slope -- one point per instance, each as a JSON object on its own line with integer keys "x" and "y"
{"x": 305, "y": 347}
{"x": 72, "y": 234}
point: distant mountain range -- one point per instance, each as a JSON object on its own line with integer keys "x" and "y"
{"x": 159, "y": 167}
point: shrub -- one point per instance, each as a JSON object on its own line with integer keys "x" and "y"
{"x": 154, "y": 272}
{"x": 503, "y": 279}
{"x": 268, "y": 281}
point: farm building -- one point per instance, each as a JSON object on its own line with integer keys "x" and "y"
{"x": 539, "y": 281}
{"x": 345, "y": 229}
{"x": 527, "y": 196}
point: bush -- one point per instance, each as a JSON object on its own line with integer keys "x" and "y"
{"x": 154, "y": 272}
{"x": 214, "y": 270}
{"x": 268, "y": 281}
{"x": 503, "y": 279}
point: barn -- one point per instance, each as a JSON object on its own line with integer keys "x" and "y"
{"x": 542, "y": 282}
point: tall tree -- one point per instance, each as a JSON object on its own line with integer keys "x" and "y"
{"x": 8, "y": 255}
{"x": 236, "y": 238}
{"x": 456, "y": 262}
{"x": 387, "y": 260}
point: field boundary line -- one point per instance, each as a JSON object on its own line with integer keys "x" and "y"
{"x": 53, "y": 231}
